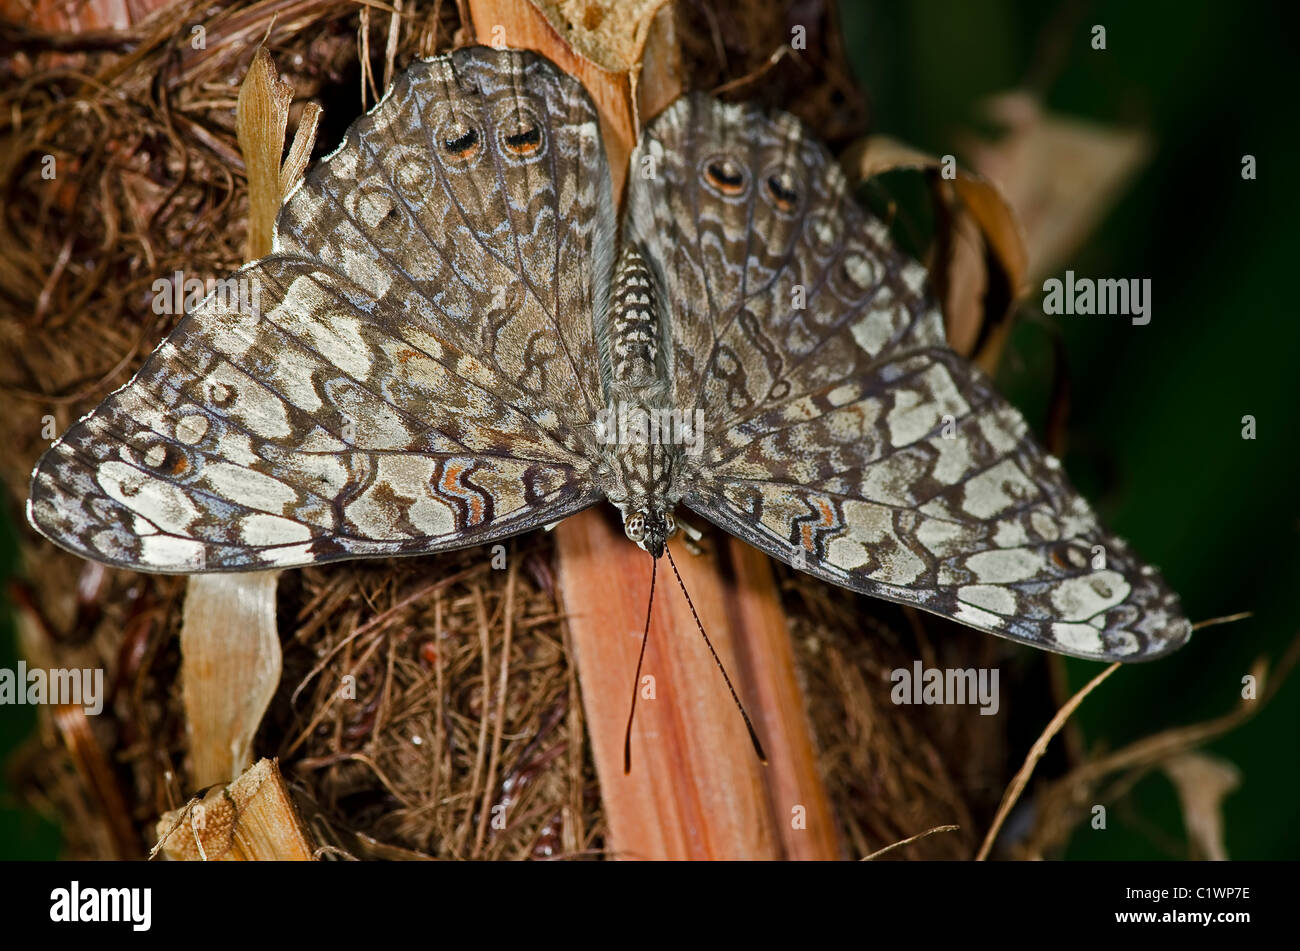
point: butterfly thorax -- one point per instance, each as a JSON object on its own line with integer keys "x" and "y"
{"x": 640, "y": 433}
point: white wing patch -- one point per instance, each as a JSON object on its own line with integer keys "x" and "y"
{"x": 162, "y": 504}
{"x": 268, "y": 530}
{"x": 254, "y": 490}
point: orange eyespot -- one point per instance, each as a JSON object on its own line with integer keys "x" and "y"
{"x": 725, "y": 175}
{"x": 462, "y": 146}
{"x": 781, "y": 188}
{"x": 525, "y": 142}
{"x": 165, "y": 458}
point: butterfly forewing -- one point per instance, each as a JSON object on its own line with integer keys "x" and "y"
{"x": 843, "y": 435}
{"x": 475, "y": 198}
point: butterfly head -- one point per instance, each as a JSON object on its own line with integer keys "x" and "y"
{"x": 650, "y": 528}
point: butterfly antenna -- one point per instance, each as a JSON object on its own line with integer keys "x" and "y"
{"x": 636, "y": 682}
{"x": 749, "y": 725}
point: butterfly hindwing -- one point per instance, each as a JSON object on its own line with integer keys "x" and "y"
{"x": 409, "y": 372}
{"x": 843, "y": 435}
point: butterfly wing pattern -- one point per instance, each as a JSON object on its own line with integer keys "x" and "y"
{"x": 844, "y": 437}
{"x": 417, "y": 373}
{"x": 422, "y": 360}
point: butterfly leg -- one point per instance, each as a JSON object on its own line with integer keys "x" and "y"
{"x": 691, "y": 536}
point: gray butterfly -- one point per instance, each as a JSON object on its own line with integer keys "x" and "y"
{"x": 450, "y": 345}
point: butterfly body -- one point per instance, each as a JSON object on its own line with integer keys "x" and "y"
{"x": 458, "y": 339}
{"x": 642, "y": 448}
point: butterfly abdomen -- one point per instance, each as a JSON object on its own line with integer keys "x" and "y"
{"x": 636, "y": 328}
{"x": 639, "y": 427}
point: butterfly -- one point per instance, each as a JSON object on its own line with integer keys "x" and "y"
{"x": 455, "y": 340}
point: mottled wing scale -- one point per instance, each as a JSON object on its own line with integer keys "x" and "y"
{"x": 417, "y": 372}
{"x": 843, "y": 435}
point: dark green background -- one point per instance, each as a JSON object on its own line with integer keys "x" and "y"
{"x": 1155, "y": 427}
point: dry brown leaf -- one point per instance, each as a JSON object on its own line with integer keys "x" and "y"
{"x": 231, "y": 653}
{"x": 304, "y": 137}
{"x": 1203, "y": 782}
{"x": 610, "y": 33}
{"x": 261, "y": 120}
{"x": 1060, "y": 175}
{"x": 252, "y": 819}
{"x": 976, "y": 216}
{"x": 92, "y": 763}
